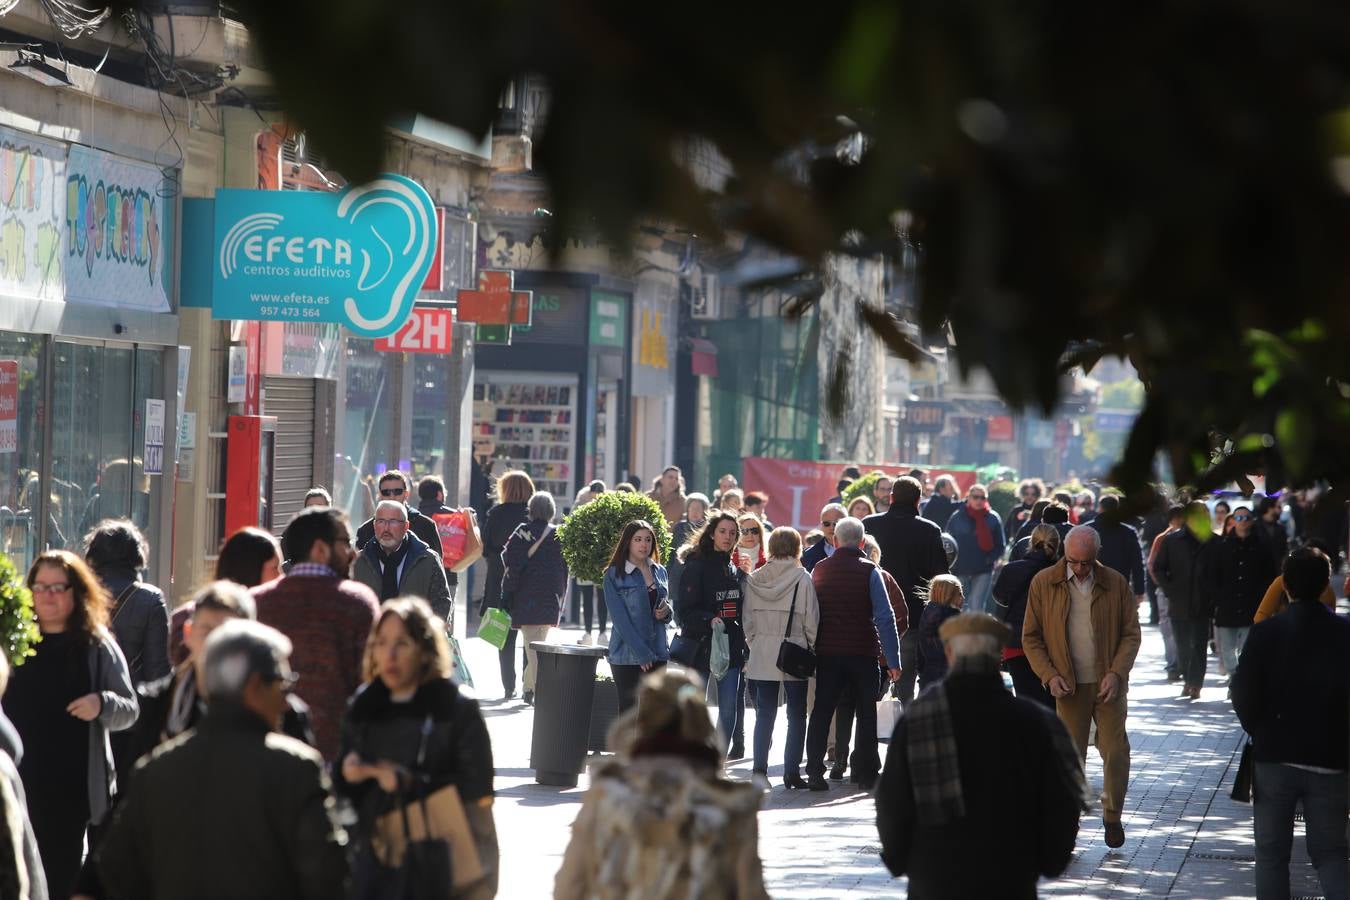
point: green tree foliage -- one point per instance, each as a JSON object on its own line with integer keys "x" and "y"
{"x": 590, "y": 534}
{"x": 1002, "y": 498}
{"x": 18, "y": 628}
{"x": 1167, "y": 184}
{"x": 862, "y": 487}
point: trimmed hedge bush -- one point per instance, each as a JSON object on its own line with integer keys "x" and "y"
{"x": 590, "y": 533}
{"x": 863, "y": 487}
{"x": 18, "y": 628}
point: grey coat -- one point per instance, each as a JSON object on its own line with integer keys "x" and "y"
{"x": 422, "y": 575}
{"x": 141, "y": 626}
{"x": 112, "y": 682}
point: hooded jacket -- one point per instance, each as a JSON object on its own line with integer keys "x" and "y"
{"x": 422, "y": 575}
{"x": 768, "y": 602}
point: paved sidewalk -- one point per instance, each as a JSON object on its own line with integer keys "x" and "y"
{"x": 1184, "y": 837}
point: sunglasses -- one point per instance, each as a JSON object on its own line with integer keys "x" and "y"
{"x": 749, "y": 531}
{"x": 392, "y": 492}
{"x": 1242, "y": 518}
{"x": 829, "y": 524}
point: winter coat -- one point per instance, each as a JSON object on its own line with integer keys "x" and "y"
{"x": 1179, "y": 568}
{"x": 271, "y": 831}
{"x": 815, "y": 553}
{"x": 1275, "y": 602}
{"x": 1291, "y": 690}
{"x": 711, "y": 586}
{"x": 21, "y": 872}
{"x": 683, "y": 532}
{"x": 911, "y": 550}
{"x": 769, "y": 595}
{"x": 672, "y": 505}
{"x": 502, "y": 521}
{"x": 636, "y": 636}
{"x": 140, "y": 623}
{"x": 661, "y": 828}
{"x": 970, "y": 559}
{"x": 1240, "y": 572}
{"x": 1115, "y": 625}
{"x": 938, "y": 510}
{"x": 932, "y": 658}
{"x": 533, "y": 586}
{"x": 458, "y": 752}
{"x": 422, "y": 574}
{"x": 1022, "y": 802}
{"x": 1011, "y": 589}
{"x": 1121, "y": 551}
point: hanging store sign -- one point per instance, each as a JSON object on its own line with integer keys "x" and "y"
{"x": 154, "y": 437}
{"x": 9, "y": 405}
{"x": 118, "y": 231}
{"x": 426, "y": 331}
{"x": 32, "y": 190}
{"x": 496, "y": 301}
{"x": 357, "y": 257}
{"x": 925, "y": 416}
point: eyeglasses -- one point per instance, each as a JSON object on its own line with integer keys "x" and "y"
{"x": 390, "y": 523}
{"x": 749, "y": 531}
{"x": 1242, "y": 518}
{"x": 57, "y": 588}
{"x": 978, "y": 497}
{"x": 828, "y": 524}
{"x": 287, "y": 680}
{"x": 393, "y": 492}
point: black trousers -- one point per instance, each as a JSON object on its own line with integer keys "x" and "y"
{"x": 843, "y": 727}
{"x": 833, "y": 675}
{"x": 626, "y": 682}
{"x": 1025, "y": 682}
{"x": 589, "y": 598}
{"x": 1192, "y": 636}
{"x": 60, "y": 832}
{"x": 506, "y": 658}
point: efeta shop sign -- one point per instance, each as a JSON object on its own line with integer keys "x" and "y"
{"x": 357, "y": 257}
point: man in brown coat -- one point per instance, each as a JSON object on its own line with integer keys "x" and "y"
{"x": 1081, "y": 635}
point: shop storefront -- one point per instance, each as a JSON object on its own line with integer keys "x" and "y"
{"x": 88, "y": 358}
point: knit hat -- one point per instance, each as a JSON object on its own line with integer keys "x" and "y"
{"x": 975, "y": 623}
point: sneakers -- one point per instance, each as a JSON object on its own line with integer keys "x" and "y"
{"x": 816, "y": 783}
{"x": 586, "y": 640}
{"x": 1115, "y": 834}
{"x": 604, "y": 639}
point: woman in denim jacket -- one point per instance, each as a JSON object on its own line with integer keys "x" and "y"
{"x": 638, "y": 598}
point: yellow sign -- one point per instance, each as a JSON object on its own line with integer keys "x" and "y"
{"x": 653, "y": 348}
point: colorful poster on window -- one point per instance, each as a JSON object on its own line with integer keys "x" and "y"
{"x": 118, "y": 231}
{"x": 32, "y": 181}
{"x": 9, "y": 405}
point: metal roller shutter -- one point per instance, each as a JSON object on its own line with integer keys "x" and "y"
{"x": 291, "y": 400}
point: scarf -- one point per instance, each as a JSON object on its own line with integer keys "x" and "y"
{"x": 934, "y": 770}
{"x": 983, "y": 536}
{"x": 389, "y": 571}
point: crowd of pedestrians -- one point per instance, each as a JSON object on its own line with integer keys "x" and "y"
{"x": 315, "y": 680}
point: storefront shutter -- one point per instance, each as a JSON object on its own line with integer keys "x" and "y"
{"x": 291, "y": 400}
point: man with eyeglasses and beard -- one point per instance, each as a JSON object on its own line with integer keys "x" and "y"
{"x": 395, "y": 485}
{"x": 912, "y": 551}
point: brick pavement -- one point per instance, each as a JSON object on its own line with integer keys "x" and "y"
{"x": 1184, "y": 836}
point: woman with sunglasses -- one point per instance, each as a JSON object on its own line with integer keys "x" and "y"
{"x": 65, "y": 700}
{"x": 750, "y": 549}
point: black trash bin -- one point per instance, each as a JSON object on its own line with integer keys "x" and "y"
{"x": 564, "y": 688}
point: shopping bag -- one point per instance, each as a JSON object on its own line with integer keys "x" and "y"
{"x": 473, "y": 542}
{"x": 453, "y": 530}
{"x": 888, "y": 713}
{"x": 1242, "y": 782}
{"x": 459, "y": 666}
{"x": 720, "y": 659}
{"x": 436, "y": 831}
{"x": 495, "y": 627}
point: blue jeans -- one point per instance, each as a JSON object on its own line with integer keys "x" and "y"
{"x": 728, "y": 693}
{"x": 1276, "y": 789}
{"x": 977, "y": 589}
{"x": 766, "y": 714}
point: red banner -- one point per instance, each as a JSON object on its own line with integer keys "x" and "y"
{"x": 797, "y": 489}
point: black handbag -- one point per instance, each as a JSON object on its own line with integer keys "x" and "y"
{"x": 794, "y": 659}
{"x": 689, "y": 652}
{"x": 427, "y": 870}
{"x": 1242, "y": 784}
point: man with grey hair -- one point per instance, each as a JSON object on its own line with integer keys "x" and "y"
{"x": 1081, "y": 635}
{"x": 857, "y": 625}
{"x": 400, "y": 564}
{"x": 940, "y": 780}
{"x": 830, "y": 515}
{"x": 259, "y": 805}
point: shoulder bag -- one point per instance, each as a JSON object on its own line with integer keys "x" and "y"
{"x": 1242, "y": 783}
{"x": 793, "y": 658}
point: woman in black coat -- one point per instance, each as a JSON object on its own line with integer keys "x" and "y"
{"x": 510, "y": 512}
{"x": 1010, "y": 605}
{"x": 711, "y": 589}
{"x": 534, "y": 585}
{"x": 407, "y": 734}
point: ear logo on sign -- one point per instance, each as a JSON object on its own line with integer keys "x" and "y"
{"x": 356, "y": 257}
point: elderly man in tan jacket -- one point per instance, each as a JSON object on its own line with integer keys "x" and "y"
{"x": 1081, "y": 635}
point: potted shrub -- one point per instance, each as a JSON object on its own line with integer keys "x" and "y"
{"x": 18, "y": 629}
{"x": 862, "y": 487}
{"x": 604, "y": 710}
{"x": 589, "y": 534}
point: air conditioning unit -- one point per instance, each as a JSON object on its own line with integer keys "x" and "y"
{"x": 707, "y": 299}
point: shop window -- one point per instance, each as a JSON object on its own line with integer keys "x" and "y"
{"x": 21, "y": 418}
{"x": 369, "y": 439}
